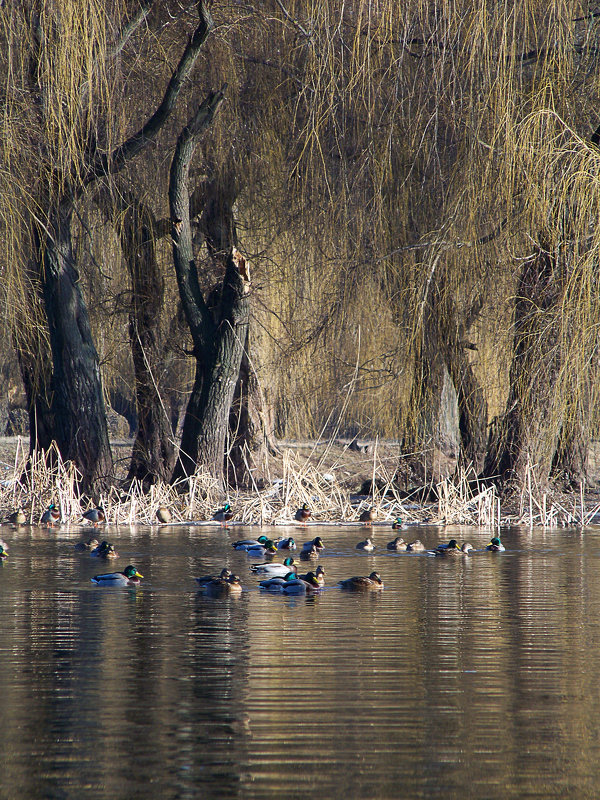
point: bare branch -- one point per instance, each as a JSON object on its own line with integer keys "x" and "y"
{"x": 105, "y": 165}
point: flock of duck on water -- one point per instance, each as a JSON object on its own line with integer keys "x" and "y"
{"x": 277, "y": 577}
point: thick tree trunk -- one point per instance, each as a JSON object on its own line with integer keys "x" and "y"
{"x": 251, "y": 437}
{"x": 79, "y": 414}
{"x": 250, "y": 429}
{"x": 153, "y": 453}
{"x": 218, "y": 334}
{"x": 528, "y": 434}
{"x": 449, "y": 405}
{"x": 207, "y": 416}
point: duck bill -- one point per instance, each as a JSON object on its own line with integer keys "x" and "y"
{"x": 138, "y": 574}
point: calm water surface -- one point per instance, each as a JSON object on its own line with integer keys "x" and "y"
{"x": 474, "y": 678}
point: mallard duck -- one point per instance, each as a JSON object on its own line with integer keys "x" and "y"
{"x": 276, "y": 583}
{"x": 416, "y": 547}
{"x": 301, "y": 586}
{"x": 225, "y": 573}
{"x": 163, "y": 515}
{"x": 312, "y": 552}
{"x": 91, "y": 544}
{"x": 262, "y": 550}
{"x": 51, "y": 516}
{"x": 18, "y": 517}
{"x": 223, "y": 515}
{"x": 397, "y": 544}
{"x": 398, "y": 525}
{"x": 368, "y": 516}
{"x": 219, "y": 587}
{"x": 317, "y": 543}
{"x": 302, "y": 514}
{"x": 366, "y": 545}
{"x": 372, "y": 583}
{"x": 464, "y": 550}
{"x": 275, "y": 570}
{"x": 95, "y": 515}
{"x": 496, "y": 545}
{"x": 286, "y": 544}
{"x": 3, "y": 553}
{"x": 452, "y": 545}
{"x": 244, "y": 544}
{"x": 319, "y": 575}
{"x": 129, "y": 577}
{"x": 104, "y": 550}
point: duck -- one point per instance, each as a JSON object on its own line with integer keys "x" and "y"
{"x": 368, "y": 516}
{"x": 311, "y": 552}
{"x": 17, "y": 517}
{"x": 244, "y": 544}
{"x": 275, "y": 570}
{"x": 3, "y": 553}
{"x": 452, "y": 545}
{"x": 319, "y": 575}
{"x": 366, "y": 545}
{"x": 221, "y": 587}
{"x": 416, "y": 547}
{"x": 51, "y": 516}
{"x": 302, "y": 514}
{"x": 317, "y": 543}
{"x": 163, "y": 515}
{"x": 262, "y": 550}
{"x": 496, "y": 545}
{"x": 464, "y": 550}
{"x": 223, "y": 515}
{"x": 361, "y": 583}
{"x": 129, "y": 577}
{"x": 225, "y": 573}
{"x": 398, "y": 525}
{"x": 301, "y": 586}
{"x": 91, "y": 544}
{"x": 104, "y": 550}
{"x": 286, "y": 544}
{"x": 397, "y": 544}
{"x": 95, "y": 515}
{"x": 275, "y": 583}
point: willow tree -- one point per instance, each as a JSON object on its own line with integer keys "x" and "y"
{"x": 218, "y": 325}
{"x": 58, "y": 142}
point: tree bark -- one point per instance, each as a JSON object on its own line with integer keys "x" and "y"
{"x": 527, "y": 435}
{"x": 251, "y": 436}
{"x": 153, "y": 453}
{"x": 218, "y": 334}
{"x": 78, "y": 418}
{"x": 449, "y": 404}
{"x": 79, "y": 415}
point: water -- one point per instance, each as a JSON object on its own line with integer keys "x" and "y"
{"x": 466, "y": 678}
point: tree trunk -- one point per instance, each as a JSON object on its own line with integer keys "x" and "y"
{"x": 79, "y": 415}
{"x": 153, "y": 453}
{"x": 250, "y": 436}
{"x": 207, "y": 416}
{"x": 449, "y": 405}
{"x": 219, "y": 334}
{"x": 250, "y": 429}
{"x": 528, "y": 433}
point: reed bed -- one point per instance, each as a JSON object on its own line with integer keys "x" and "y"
{"x": 32, "y": 484}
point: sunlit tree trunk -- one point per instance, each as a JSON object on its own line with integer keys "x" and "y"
{"x": 218, "y": 333}
{"x": 527, "y": 435}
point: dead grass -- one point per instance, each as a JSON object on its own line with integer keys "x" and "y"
{"x": 326, "y": 475}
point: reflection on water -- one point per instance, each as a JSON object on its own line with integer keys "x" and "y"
{"x": 465, "y": 678}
